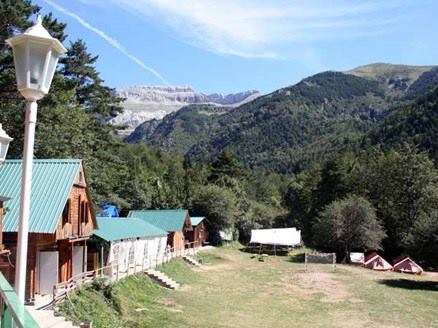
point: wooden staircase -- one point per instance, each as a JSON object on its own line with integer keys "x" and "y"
{"x": 163, "y": 279}
{"x": 191, "y": 260}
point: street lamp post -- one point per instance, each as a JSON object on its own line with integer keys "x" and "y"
{"x": 36, "y": 54}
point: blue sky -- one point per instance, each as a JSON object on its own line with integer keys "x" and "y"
{"x": 234, "y": 45}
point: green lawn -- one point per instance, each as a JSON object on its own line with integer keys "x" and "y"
{"x": 235, "y": 289}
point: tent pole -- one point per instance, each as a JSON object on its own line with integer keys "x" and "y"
{"x": 260, "y": 249}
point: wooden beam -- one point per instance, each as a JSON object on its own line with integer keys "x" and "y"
{"x": 75, "y": 240}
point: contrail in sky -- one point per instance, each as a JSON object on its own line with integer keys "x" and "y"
{"x": 113, "y": 42}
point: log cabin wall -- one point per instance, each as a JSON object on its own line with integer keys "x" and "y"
{"x": 76, "y": 220}
{"x": 199, "y": 234}
{"x": 178, "y": 240}
{"x": 37, "y": 242}
{"x": 65, "y": 260}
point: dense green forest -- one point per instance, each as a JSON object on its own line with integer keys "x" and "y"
{"x": 286, "y": 130}
{"x": 349, "y": 158}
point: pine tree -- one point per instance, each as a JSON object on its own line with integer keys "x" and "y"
{"x": 78, "y": 67}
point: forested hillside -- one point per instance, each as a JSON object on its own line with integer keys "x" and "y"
{"x": 181, "y": 129}
{"x": 292, "y": 127}
{"x": 415, "y": 123}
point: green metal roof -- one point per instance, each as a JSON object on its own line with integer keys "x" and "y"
{"x": 52, "y": 181}
{"x": 169, "y": 220}
{"x": 125, "y": 228}
{"x": 196, "y": 219}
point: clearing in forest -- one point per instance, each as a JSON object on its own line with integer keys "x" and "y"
{"x": 235, "y": 289}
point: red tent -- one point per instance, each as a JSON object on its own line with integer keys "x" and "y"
{"x": 375, "y": 262}
{"x": 406, "y": 265}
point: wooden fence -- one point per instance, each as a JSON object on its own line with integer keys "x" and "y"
{"x": 114, "y": 272}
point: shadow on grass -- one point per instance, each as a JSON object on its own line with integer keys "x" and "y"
{"x": 209, "y": 258}
{"x": 264, "y": 250}
{"x": 411, "y": 284}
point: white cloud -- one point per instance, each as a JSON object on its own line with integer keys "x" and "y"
{"x": 261, "y": 28}
{"x": 113, "y": 42}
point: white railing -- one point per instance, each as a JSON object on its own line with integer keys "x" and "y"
{"x": 116, "y": 271}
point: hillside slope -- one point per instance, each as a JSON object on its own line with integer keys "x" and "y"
{"x": 179, "y": 131}
{"x": 287, "y": 129}
{"x": 415, "y": 123}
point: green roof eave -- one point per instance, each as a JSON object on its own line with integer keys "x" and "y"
{"x": 111, "y": 229}
{"x": 169, "y": 220}
{"x": 196, "y": 220}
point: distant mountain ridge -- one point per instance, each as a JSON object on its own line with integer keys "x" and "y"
{"x": 144, "y": 103}
{"x": 293, "y": 126}
{"x": 396, "y": 79}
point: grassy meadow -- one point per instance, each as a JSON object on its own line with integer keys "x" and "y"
{"x": 235, "y": 289}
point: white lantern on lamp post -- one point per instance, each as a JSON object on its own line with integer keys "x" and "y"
{"x": 36, "y": 54}
{"x": 4, "y": 144}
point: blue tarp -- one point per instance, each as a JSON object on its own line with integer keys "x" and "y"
{"x": 108, "y": 210}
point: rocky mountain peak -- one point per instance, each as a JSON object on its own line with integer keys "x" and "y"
{"x": 145, "y": 102}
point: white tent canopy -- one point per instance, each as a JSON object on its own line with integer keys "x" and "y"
{"x": 283, "y": 237}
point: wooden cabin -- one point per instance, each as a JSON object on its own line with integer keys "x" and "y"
{"x": 176, "y": 222}
{"x": 61, "y": 221}
{"x": 199, "y": 234}
{"x": 124, "y": 243}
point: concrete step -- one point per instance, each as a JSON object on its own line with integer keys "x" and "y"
{"x": 48, "y": 319}
{"x": 42, "y": 300}
{"x": 191, "y": 260}
{"x": 163, "y": 279}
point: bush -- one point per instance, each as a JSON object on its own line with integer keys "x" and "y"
{"x": 347, "y": 225}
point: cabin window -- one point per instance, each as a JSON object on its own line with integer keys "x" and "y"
{"x": 86, "y": 211}
{"x": 66, "y": 213}
{"x": 81, "y": 177}
{"x": 82, "y": 216}
{"x": 83, "y": 212}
